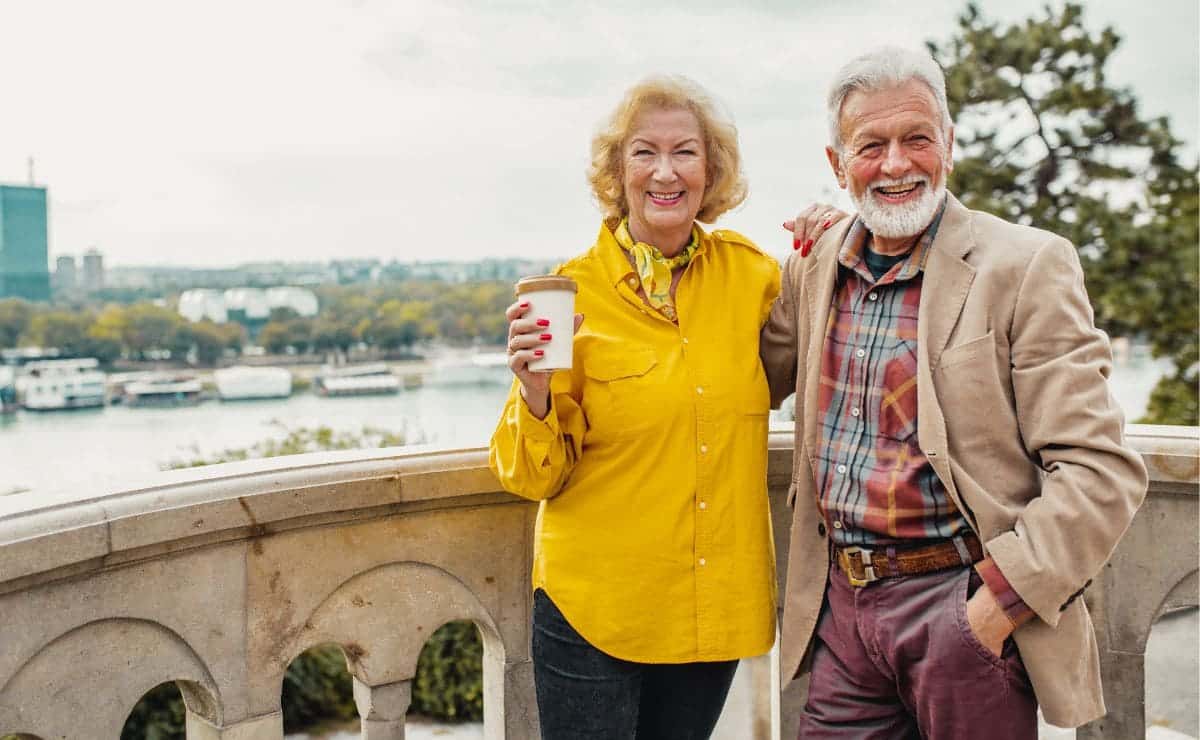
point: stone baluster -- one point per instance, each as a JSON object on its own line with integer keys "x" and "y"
{"x": 382, "y": 709}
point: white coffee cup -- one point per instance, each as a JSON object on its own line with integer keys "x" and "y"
{"x": 551, "y": 297}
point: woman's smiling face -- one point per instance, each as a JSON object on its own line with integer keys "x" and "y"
{"x": 664, "y": 176}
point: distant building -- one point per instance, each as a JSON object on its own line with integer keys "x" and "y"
{"x": 65, "y": 278}
{"x": 250, "y": 307}
{"x": 93, "y": 271}
{"x": 24, "y": 265}
{"x": 202, "y": 303}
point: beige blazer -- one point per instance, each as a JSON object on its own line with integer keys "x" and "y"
{"x": 1015, "y": 416}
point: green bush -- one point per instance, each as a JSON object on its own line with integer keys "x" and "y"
{"x": 449, "y": 682}
{"x": 316, "y": 689}
{"x": 158, "y": 716}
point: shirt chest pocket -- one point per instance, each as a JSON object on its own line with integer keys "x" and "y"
{"x": 619, "y": 398}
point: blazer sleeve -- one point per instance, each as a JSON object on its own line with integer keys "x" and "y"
{"x": 1093, "y": 482}
{"x": 777, "y": 341}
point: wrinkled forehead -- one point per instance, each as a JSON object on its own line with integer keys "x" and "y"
{"x": 889, "y": 110}
{"x": 663, "y": 123}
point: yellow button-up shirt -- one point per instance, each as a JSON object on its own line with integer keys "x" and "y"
{"x": 653, "y": 536}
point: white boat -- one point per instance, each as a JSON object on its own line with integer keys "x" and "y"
{"x": 51, "y": 385}
{"x": 369, "y": 379}
{"x": 243, "y": 382}
{"x": 163, "y": 390}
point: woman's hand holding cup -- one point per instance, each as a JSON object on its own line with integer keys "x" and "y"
{"x": 527, "y": 335}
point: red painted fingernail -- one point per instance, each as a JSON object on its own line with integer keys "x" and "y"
{"x": 826, "y": 225}
{"x": 545, "y": 337}
{"x": 807, "y": 249}
{"x": 538, "y": 353}
{"x": 543, "y": 322}
{"x": 524, "y": 305}
{"x": 795, "y": 243}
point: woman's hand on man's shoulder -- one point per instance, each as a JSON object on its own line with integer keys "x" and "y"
{"x": 810, "y": 224}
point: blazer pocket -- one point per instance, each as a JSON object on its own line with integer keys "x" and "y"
{"x": 967, "y": 351}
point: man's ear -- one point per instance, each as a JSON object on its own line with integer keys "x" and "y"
{"x": 835, "y": 161}
{"x": 950, "y": 150}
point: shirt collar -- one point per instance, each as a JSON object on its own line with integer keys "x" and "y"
{"x": 617, "y": 266}
{"x": 851, "y": 254}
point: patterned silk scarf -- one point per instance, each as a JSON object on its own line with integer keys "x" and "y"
{"x": 653, "y": 269}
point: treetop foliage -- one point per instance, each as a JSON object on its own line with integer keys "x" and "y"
{"x": 1043, "y": 138}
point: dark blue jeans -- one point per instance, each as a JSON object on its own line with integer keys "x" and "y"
{"x": 585, "y": 693}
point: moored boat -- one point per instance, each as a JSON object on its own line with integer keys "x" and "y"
{"x": 164, "y": 390}
{"x": 370, "y": 379}
{"x": 53, "y": 385}
{"x": 243, "y": 382}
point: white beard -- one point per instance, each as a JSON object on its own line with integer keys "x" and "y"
{"x": 903, "y": 220}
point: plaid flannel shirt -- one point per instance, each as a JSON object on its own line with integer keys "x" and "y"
{"x": 875, "y": 485}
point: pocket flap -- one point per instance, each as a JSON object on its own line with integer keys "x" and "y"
{"x": 620, "y": 363}
{"x": 967, "y": 351}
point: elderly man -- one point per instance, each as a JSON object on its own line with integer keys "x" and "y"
{"x": 960, "y": 471}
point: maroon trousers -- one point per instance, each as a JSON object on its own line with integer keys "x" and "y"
{"x": 897, "y": 659}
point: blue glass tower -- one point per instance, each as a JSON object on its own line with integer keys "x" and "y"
{"x": 24, "y": 268}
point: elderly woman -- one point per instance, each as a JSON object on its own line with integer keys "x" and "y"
{"x": 653, "y": 557}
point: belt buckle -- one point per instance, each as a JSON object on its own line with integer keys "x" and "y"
{"x": 864, "y": 559}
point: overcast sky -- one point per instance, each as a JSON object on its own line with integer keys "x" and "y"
{"x": 225, "y": 131}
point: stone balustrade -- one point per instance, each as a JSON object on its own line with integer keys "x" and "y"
{"x": 216, "y": 578}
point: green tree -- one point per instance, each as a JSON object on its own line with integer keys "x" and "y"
{"x": 106, "y": 335}
{"x": 275, "y": 336}
{"x": 329, "y": 333}
{"x": 208, "y": 340}
{"x": 1044, "y": 139}
{"x": 61, "y": 329}
{"x": 15, "y": 315}
{"x": 396, "y": 324}
{"x": 149, "y": 327}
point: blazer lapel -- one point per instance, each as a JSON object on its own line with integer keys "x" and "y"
{"x": 820, "y": 279}
{"x": 946, "y": 282}
{"x": 944, "y": 288}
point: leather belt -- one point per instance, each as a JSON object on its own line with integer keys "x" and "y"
{"x": 864, "y": 565}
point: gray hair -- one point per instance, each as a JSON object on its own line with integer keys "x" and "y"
{"x": 885, "y": 67}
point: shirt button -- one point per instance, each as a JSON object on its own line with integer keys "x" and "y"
{"x": 841, "y": 468}
{"x": 861, "y": 353}
{"x": 703, "y": 449}
{"x": 703, "y": 505}
{"x": 854, "y": 411}
{"x": 685, "y": 340}
{"x": 820, "y": 529}
{"x": 632, "y": 282}
{"x": 703, "y": 561}
{"x": 700, "y": 390}
{"x": 837, "y": 524}
{"x": 873, "y": 296}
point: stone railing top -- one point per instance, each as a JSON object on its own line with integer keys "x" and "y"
{"x": 43, "y": 534}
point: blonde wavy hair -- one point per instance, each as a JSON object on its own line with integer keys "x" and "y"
{"x": 725, "y": 186}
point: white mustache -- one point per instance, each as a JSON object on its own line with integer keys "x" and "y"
{"x": 910, "y": 180}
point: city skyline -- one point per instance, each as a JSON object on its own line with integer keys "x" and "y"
{"x": 213, "y": 135}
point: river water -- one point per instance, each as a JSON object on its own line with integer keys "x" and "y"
{"x": 101, "y": 447}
